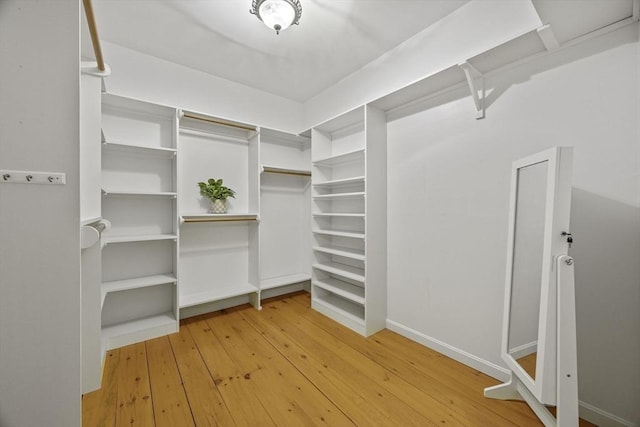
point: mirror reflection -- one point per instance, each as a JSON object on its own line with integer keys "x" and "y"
{"x": 526, "y": 278}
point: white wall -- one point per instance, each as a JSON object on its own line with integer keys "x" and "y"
{"x": 448, "y": 189}
{"x": 145, "y": 77}
{"x": 39, "y": 225}
{"x": 472, "y": 29}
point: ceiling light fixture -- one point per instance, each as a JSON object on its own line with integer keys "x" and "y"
{"x": 277, "y": 14}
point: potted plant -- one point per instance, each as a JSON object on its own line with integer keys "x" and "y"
{"x": 217, "y": 193}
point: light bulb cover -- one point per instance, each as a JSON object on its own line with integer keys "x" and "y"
{"x": 277, "y": 14}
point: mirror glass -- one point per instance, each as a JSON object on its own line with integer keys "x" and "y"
{"x": 526, "y": 277}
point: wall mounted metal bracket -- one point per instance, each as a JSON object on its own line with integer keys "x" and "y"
{"x": 475, "y": 80}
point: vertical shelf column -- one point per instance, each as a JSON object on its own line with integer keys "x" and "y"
{"x": 339, "y": 257}
{"x": 376, "y": 224}
{"x": 219, "y": 253}
{"x": 349, "y": 212}
{"x": 285, "y": 224}
{"x": 139, "y": 256}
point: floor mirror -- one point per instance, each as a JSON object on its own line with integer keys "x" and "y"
{"x": 539, "y": 335}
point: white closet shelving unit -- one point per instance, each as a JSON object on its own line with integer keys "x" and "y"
{"x": 139, "y": 255}
{"x": 285, "y": 188}
{"x": 219, "y": 253}
{"x": 349, "y": 219}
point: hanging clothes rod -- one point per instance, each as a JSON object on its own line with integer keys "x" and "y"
{"x": 202, "y": 117}
{"x": 219, "y": 218}
{"x": 283, "y": 171}
{"x": 93, "y": 30}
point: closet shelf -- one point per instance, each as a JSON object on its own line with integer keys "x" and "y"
{"x": 337, "y": 214}
{"x": 341, "y": 251}
{"x": 139, "y": 149}
{"x": 339, "y": 182}
{"x": 135, "y": 283}
{"x": 344, "y": 289}
{"x": 137, "y": 238}
{"x": 340, "y": 233}
{"x": 290, "y": 279}
{"x": 138, "y": 330}
{"x": 340, "y": 196}
{"x": 120, "y": 193}
{"x": 219, "y": 217}
{"x": 335, "y": 304}
{"x": 216, "y": 295}
{"x": 352, "y": 156}
{"x": 342, "y": 270}
{"x": 284, "y": 171}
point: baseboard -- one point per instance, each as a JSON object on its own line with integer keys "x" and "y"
{"x": 524, "y": 350}
{"x": 484, "y": 366}
{"x": 602, "y": 418}
{"x": 588, "y": 412}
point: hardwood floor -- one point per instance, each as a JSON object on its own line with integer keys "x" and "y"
{"x": 288, "y": 365}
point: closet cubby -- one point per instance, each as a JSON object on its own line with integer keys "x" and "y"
{"x": 139, "y": 255}
{"x": 349, "y": 219}
{"x": 285, "y": 188}
{"x": 218, "y": 253}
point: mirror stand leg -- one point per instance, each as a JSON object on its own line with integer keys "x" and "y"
{"x": 506, "y": 391}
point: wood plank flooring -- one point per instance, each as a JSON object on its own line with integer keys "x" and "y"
{"x": 288, "y": 365}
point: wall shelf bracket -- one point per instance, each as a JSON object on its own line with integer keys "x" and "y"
{"x": 475, "y": 80}
{"x": 548, "y": 38}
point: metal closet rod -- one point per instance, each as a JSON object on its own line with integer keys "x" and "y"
{"x": 286, "y": 171}
{"x": 93, "y": 30}
{"x": 222, "y": 122}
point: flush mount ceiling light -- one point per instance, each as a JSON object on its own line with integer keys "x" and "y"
{"x": 277, "y": 14}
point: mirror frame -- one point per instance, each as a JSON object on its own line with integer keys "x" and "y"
{"x": 557, "y": 209}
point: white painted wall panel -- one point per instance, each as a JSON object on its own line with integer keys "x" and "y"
{"x": 40, "y": 224}
{"x": 145, "y": 77}
{"x": 448, "y": 189}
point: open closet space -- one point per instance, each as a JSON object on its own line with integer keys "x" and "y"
{"x": 314, "y": 212}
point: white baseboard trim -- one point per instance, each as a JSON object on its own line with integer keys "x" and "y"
{"x": 524, "y": 350}
{"x": 588, "y": 412}
{"x": 602, "y": 418}
{"x": 484, "y": 366}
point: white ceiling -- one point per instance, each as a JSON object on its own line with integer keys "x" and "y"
{"x": 334, "y": 39}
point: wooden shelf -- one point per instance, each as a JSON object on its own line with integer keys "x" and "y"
{"x": 138, "y": 330}
{"x": 344, "y": 289}
{"x": 216, "y": 295}
{"x": 284, "y": 171}
{"x": 290, "y": 279}
{"x": 340, "y": 182}
{"x": 342, "y": 270}
{"x": 120, "y": 193}
{"x": 349, "y": 120}
{"x": 340, "y": 159}
{"x": 135, "y": 283}
{"x": 345, "y": 308}
{"x": 340, "y": 196}
{"x": 518, "y": 48}
{"x": 219, "y": 217}
{"x": 337, "y": 214}
{"x": 137, "y": 238}
{"x": 339, "y": 233}
{"x": 139, "y": 149}
{"x": 340, "y": 251}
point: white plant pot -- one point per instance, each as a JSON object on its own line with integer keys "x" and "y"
{"x": 218, "y": 206}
